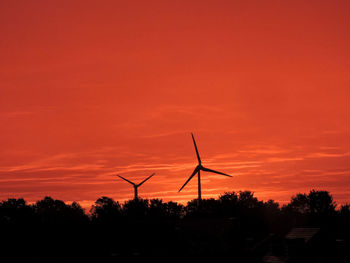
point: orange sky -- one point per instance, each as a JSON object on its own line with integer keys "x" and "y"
{"x": 89, "y": 89}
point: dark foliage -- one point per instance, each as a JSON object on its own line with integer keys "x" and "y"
{"x": 236, "y": 225}
{"x": 105, "y": 210}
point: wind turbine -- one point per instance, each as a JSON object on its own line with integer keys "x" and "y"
{"x": 198, "y": 170}
{"x": 136, "y": 185}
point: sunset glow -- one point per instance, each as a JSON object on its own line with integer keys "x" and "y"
{"x": 91, "y": 89}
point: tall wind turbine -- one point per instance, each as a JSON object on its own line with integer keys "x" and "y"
{"x": 136, "y": 185}
{"x": 198, "y": 170}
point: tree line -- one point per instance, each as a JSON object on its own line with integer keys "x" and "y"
{"x": 318, "y": 204}
{"x": 53, "y": 230}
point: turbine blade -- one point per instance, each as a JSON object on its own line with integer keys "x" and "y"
{"x": 195, "y": 146}
{"x": 126, "y": 179}
{"x": 213, "y": 171}
{"x": 193, "y": 174}
{"x": 145, "y": 179}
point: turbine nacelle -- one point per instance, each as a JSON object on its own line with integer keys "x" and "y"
{"x": 199, "y": 168}
{"x": 136, "y": 186}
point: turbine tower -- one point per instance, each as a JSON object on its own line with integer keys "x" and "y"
{"x": 198, "y": 170}
{"x": 136, "y": 185}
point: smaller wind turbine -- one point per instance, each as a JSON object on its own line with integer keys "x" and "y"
{"x": 136, "y": 185}
{"x": 198, "y": 170}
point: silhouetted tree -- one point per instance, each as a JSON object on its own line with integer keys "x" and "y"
{"x": 345, "y": 210}
{"x": 246, "y": 201}
{"x": 105, "y": 209}
{"x": 321, "y": 203}
{"x": 16, "y": 227}
{"x": 174, "y": 210}
{"x": 51, "y": 211}
{"x": 272, "y": 206}
{"x": 194, "y": 208}
{"x": 77, "y": 213}
{"x": 299, "y": 204}
{"x": 316, "y": 202}
{"x": 229, "y": 197}
{"x": 343, "y": 223}
{"x": 157, "y": 209}
{"x": 229, "y": 204}
{"x": 251, "y": 214}
{"x": 136, "y": 208}
{"x": 15, "y": 210}
{"x": 272, "y": 215}
{"x": 209, "y": 208}
{"x": 314, "y": 208}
